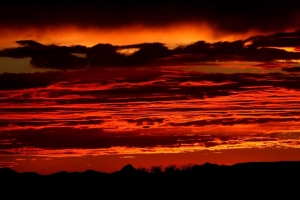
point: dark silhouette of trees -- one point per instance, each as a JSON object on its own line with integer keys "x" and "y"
{"x": 189, "y": 180}
{"x": 156, "y": 169}
{"x": 171, "y": 169}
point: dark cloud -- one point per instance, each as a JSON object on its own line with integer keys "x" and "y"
{"x": 10, "y": 81}
{"x": 233, "y": 121}
{"x": 149, "y": 86}
{"x": 146, "y": 121}
{"x": 152, "y": 54}
{"x": 261, "y": 48}
{"x": 72, "y": 138}
{"x": 65, "y": 114}
{"x": 256, "y": 48}
{"x": 232, "y": 16}
{"x": 150, "y": 51}
{"x": 104, "y": 54}
{"x": 62, "y": 57}
{"x": 48, "y": 56}
{"x": 72, "y": 102}
{"x": 66, "y": 138}
{"x": 281, "y": 39}
{"x": 291, "y": 69}
{"x": 6, "y": 123}
{"x": 48, "y": 122}
{"x": 107, "y": 55}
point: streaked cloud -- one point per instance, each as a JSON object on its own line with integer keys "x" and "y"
{"x": 164, "y": 109}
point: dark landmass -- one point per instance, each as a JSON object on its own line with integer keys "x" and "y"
{"x": 254, "y": 178}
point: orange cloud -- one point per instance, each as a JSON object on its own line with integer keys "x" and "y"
{"x": 172, "y": 35}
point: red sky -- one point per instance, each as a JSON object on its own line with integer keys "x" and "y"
{"x": 227, "y": 98}
{"x": 172, "y": 22}
{"x": 171, "y": 35}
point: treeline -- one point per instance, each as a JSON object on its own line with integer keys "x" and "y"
{"x": 189, "y": 180}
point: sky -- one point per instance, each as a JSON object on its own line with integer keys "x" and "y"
{"x": 98, "y": 85}
{"x": 133, "y": 21}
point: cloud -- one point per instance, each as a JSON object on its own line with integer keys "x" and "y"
{"x": 29, "y": 43}
{"x": 150, "y": 107}
{"x": 134, "y": 85}
{"x": 8, "y": 164}
{"x": 38, "y": 123}
{"x": 291, "y": 69}
{"x": 100, "y": 55}
{"x": 281, "y": 39}
{"x": 149, "y": 51}
{"x": 73, "y": 142}
{"x": 115, "y": 101}
{"x": 68, "y": 138}
{"x": 72, "y": 138}
{"x": 266, "y": 48}
{"x": 256, "y": 48}
{"x": 48, "y": 56}
{"x": 234, "y": 121}
{"x": 146, "y": 121}
{"x": 9, "y": 81}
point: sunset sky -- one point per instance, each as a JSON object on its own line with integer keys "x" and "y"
{"x": 100, "y": 84}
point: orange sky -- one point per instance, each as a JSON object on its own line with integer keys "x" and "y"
{"x": 171, "y": 35}
{"x": 112, "y": 163}
{"x": 180, "y": 110}
{"x": 101, "y": 114}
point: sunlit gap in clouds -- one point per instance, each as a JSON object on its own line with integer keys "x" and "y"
{"x": 19, "y": 65}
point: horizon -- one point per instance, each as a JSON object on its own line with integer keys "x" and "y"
{"x": 171, "y": 168}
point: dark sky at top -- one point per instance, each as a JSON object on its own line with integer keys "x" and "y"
{"x": 229, "y": 16}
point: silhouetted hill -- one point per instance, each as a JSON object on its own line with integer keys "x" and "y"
{"x": 242, "y": 178}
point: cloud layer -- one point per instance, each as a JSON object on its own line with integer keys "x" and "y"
{"x": 262, "y": 48}
{"x": 150, "y": 109}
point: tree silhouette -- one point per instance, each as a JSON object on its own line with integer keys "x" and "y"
{"x": 156, "y": 169}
